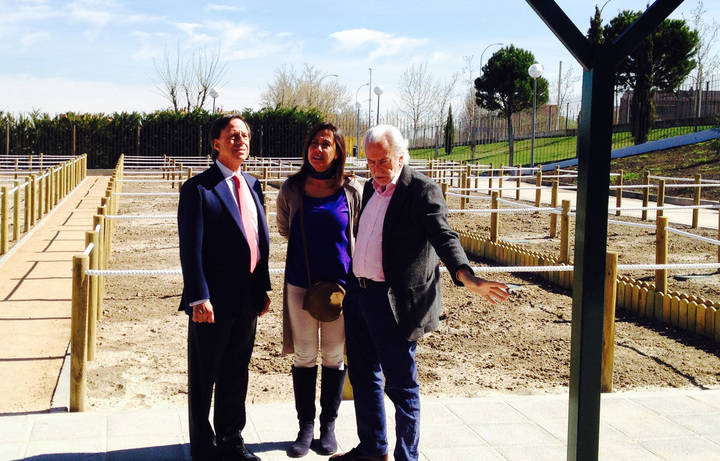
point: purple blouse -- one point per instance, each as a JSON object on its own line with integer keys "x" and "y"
{"x": 326, "y": 221}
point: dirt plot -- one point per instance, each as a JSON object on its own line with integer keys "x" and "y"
{"x": 522, "y": 346}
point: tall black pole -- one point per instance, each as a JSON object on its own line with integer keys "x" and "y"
{"x": 594, "y": 145}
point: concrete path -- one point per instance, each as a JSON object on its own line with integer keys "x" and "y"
{"x": 643, "y": 426}
{"x": 35, "y": 305}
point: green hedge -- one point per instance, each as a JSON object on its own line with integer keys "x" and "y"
{"x": 276, "y": 133}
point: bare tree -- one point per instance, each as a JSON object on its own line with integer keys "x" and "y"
{"x": 707, "y": 59}
{"x": 192, "y": 79}
{"x": 170, "y": 76}
{"x": 417, "y": 94}
{"x": 309, "y": 89}
{"x": 568, "y": 85}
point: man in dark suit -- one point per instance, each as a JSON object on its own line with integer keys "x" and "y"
{"x": 395, "y": 296}
{"x": 224, "y": 247}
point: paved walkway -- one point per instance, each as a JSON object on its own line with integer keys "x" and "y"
{"x": 643, "y": 426}
{"x": 35, "y": 291}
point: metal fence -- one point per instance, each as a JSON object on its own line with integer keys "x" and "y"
{"x": 483, "y": 139}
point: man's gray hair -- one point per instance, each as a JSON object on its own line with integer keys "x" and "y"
{"x": 398, "y": 143}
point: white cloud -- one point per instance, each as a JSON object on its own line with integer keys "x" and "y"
{"x": 189, "y": 29}
{"x": 381, "y": 43}
{"x": 23, "y": 93}
{"x": 33, "y": 38}
{"x": 222, "y": 7}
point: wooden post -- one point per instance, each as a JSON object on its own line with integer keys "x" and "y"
{"x": 444, "y": 188}
{"x": 33, "y": 202}
{"x": 661, "y": 253}
{"x": 538, "y": 187}
{"x": 565, "y": 233}
{"x": 172, "y": 175}
{"x": 646, "y": 193}
{"x": 91, "y": 238}
{"x": 518, "y": 182}
{"x": 16, "y": 211}
{"x": 189, "y": 173}
{"x": 696, "y": 201}
{"x": 494, "y": 217}
{"x": 718, "y": 236}
{"x": 26, "y": 208}
{"x": 16, "y": 168}
{"x": 660, "y": 198}
{"x": 265, "y": 178}
{"x": 463, "y": 181}
{"x": 41, "y": 196}
{"x": 553, "y": 204}
{"x": 500, "y": 180}
{"x": 608, "y": 352}
{"x": 180, "y": 175}
{"x": 99, "y": 220}
{"x": 78, "y": 353}
{"x": 490, "y": 179}
{"x": 4, "y": 219}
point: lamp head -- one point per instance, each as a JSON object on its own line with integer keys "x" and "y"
{"x": 536, "y": 70}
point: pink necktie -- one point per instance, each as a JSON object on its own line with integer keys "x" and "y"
{"x": 246, "y": 208}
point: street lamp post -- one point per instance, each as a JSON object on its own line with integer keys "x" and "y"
{"x": 213, "y": 94}
{"x": 378, "y": 90}
{"x": 356, "y": 149}
{"x": 535, "y": 71}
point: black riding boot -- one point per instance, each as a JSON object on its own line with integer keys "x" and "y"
{"x": 304, "y": 388}
{"x": 331, "y": 390}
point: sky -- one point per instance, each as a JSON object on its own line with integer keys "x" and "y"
{"x": 101, "y": 55}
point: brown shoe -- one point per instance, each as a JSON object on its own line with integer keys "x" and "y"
{"x": 355, "y": 455}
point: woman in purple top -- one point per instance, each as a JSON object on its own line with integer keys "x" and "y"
{"x": 330, "y": 202}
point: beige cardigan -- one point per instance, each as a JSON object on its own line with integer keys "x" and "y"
{"x": 288, "y": 203}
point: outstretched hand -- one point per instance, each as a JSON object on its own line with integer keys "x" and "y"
{"x": 492, "y": 291}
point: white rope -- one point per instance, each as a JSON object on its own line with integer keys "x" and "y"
{"x": 569, "y": 268}
{"x": 153, "y": 180}
{"x": 635, "y": 186}
{"x": 484, "y": 197}
{"x": 88, "y": 249}
{"x": 111, "y": 272}
{"x": 693, "y": 236}
{"x": 670, "y": 186}
{"x": 670, "y": 178}
{"x": 502, "y": 210}
{"x": 632, "y": 224}
{"x": 666, "y": 207}
{"x": 141, "y": 194}
{"x": 140, "y": 216}
{"x": 648, "y": 267}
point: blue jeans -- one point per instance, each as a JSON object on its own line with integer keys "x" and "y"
{"x": 375, "y": 347}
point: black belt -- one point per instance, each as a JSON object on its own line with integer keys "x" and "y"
{"x": 369, "y": 283}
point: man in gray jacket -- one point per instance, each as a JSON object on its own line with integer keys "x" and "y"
{"x": 394, "y": 297}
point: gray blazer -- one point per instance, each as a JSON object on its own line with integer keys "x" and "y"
{"x": 415, "y": 232}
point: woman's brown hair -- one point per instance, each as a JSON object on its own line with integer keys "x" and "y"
{"x": 338, "y": 164}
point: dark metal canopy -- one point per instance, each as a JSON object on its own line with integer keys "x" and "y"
{"x": 594, "y": 146}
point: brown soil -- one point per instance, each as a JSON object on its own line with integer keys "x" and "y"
{"x": 521, "y": 346}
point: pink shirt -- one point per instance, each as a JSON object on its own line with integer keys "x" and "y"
{"x": 367, "y": 256}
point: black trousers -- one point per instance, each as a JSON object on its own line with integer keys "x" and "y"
{"x": 218, "y": 355}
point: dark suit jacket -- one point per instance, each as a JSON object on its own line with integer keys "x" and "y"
{"x": 415, "y": 232}
{"x": 214, "y": 253}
